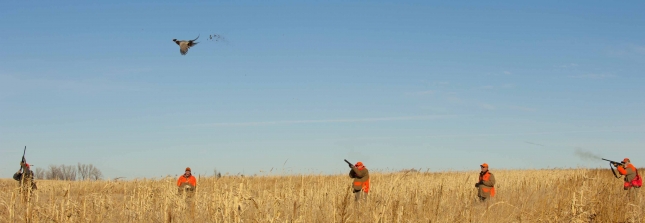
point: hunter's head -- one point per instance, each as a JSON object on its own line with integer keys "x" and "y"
{"x": 24, "y": 163}
{"x": 359, "y": 165}
{"x": 484, "y": 167}
{"x": 187, "y": 172}
{"x": 626, "y": 161}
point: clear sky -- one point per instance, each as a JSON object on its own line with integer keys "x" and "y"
{"x": 412, "y": 84}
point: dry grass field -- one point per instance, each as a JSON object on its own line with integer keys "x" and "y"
{"x": 575, "y": 195}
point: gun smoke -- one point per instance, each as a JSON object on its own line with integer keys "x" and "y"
{"x": 586, "y": 155}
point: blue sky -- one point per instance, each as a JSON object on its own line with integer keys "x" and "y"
{"x": 415, "y": 84}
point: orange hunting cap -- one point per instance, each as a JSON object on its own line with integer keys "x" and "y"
{"x": 484, "y": 165}
{"x": 359, "y": 164}
{"x": 626, "y": 160}
{"x": 188, "y": 169}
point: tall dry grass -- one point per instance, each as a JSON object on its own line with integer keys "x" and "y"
{"x": 577, "y": 195}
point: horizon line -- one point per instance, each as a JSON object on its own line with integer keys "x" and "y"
{"x": 313, "y": 121}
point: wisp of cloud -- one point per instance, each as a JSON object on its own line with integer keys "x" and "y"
{"x": 586, "y": 155}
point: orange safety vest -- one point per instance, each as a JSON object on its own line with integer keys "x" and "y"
{"x": 636, "y": 182}
{"x": 485, "y": 177}
{"x": 191, "y": 180}
{"x": 364, "y": 185}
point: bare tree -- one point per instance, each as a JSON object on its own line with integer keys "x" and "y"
{"x": 95, "y": 173}
{"x": 61, "y": 172}
{"x": 69, "y": 172}
{"x": 216, "y": 173}
{"x": 83, "y": 171}
{"x": 54, "y": 173}
{"x": 39, "y": 173}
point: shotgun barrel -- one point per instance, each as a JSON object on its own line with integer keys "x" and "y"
{"x": 613, "y": 162}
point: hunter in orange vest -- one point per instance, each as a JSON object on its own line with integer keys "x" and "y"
{"x": 186, "y": 182}
{"x": 486, "y": 183}
{"x": 633, "y": 180}
{"x": 361, "y": 184}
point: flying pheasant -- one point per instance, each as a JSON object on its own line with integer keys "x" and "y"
{"x": 185, "y": 44}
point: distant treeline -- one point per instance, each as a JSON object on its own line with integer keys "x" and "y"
{"x": 68, "y": 172}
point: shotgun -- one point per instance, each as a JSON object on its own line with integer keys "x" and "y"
{"x": 23, "y": 158}
{"x": 350, "y": 164}
{"x": 352, "y": 173}
{"x": 612, "y": 164}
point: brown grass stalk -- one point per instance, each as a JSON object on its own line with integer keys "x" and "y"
{"x": 557, "y": 195}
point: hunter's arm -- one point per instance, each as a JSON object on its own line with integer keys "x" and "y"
{"x": 16, "y": 176}
{"x": 179, "y": 181}
{"x": 358, "y": 173}
{"x": 621, "y": 170}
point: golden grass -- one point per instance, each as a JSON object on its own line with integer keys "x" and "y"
{"x": 576, "y": 195}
